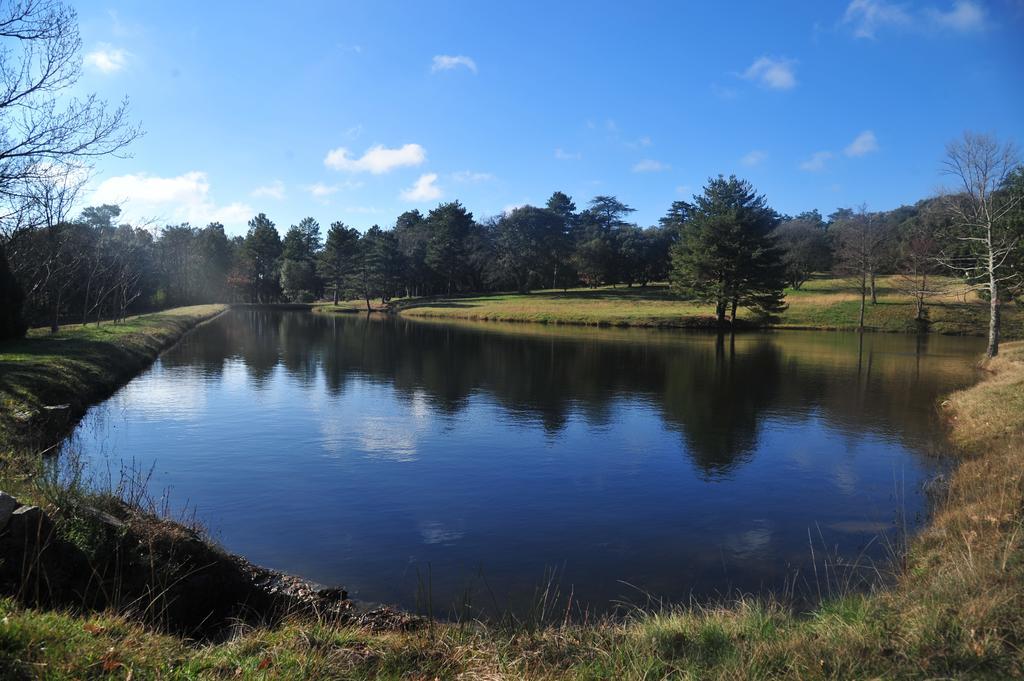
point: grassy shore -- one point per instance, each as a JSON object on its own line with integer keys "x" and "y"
{"x": 78, "y": 366}
{"x": 822, "y": 303}
{"x": 956, "y": 609}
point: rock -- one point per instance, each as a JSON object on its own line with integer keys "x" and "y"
{"x": 333, "y": 594}
{"x": 7, "y": 506}
{"x": 29, "y": 524}
{"x": 936, "y": 488}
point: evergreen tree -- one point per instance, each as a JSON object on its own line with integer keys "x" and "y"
{"x": 726, "y": 254}
{"x": 450, "y": 226}
{"x": 522, "y": 239}
{"x": 299, "y": 249}
{"x": 378, "y": 265}
{"x": 337, "y": 261}
{"x": 262, "y": 249}
{"x": 559, "y": 243}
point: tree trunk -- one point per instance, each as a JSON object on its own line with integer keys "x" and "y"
{"x": 720, "y": 313}
{"x": 732, "y": 317}
{"x": 920, "y": 297}
{"x": 55, "y": 324}
{"x": 336, "y": 287}
{"x": 863, "y": 294}
{"x": 368, "y": 308}
{"x": 993, "y": 319}
{"x": 874, "y": 299}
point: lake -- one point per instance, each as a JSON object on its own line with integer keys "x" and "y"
{"x": 418, "y": 462}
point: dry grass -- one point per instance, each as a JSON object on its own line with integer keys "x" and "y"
{"x": 956, "y": 611}
{"x": 822, "y": 303}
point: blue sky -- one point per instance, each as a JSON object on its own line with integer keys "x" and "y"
{"x": 356, "y": 111}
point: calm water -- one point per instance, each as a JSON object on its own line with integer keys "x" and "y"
{"x": 372, "y": 453}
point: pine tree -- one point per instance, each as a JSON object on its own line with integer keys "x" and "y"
{"x": 726, "y": 254}
{"x": 338, "y": 259}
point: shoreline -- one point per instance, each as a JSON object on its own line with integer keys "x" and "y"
{"x": 987, "y": 472}
{"x": 823, "y": 304}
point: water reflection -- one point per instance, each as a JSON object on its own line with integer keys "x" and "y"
{"x": 712, "y": 390}
{"x": 358, "y": 451}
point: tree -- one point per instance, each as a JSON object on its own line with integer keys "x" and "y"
{"x": 558, "y": 244}
{"x": 262, "y": 249}
{"x": 298, "y": 273}
{"x": 302, "y": 241}
{"x": 214, "y": 254}
{"x": 677, "y": 215}
{"x": 597, "y": 243}
{"x": 726, "y": 254}
{"x": 918, "y": 260}
{"x": 412, "y": 236}
{"x": 176, "y": 258}
{"x": 984, "y": 243}
{"x": 450, "y": 225}
{"x": 47, "y": 139}
{"x": 861, "y": 243}
{"x": 377, "y": 267}
{"x": 805, "y": 247}
{"x": 338, "y": 259}
{"x": 12, "y": 324}
{"x": 522, "y": 239}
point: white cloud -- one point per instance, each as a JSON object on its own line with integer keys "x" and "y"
{"x": 563, "y": 155}
{"x": 649, "y": 165}
{"x": 816, "y": 162}
{"x": 377, "y": 159}
{"x": 964, "y": 16}
{"x": 470, "y": 176}
{"x": 106, "y": 58}
{"x": 446, "y": 62}
{"x": 754, "y": 158}
{"x": 185, "y": 198}
{"x": 684, "y": 189}
{"x": 424, "y": 189}
{"x": 510, "y": 208}
{"x": 865, "y": 143}
{"x": 772, "y": 72}
{"x": 868, "y": 17}
{"x": 321, "y": 190}
{"x": 274, "y": 190}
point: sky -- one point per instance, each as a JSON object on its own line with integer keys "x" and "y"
{"x": 357, "y": 111}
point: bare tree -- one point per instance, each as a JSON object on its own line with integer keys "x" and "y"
{"x": 983, "y": 243}
{"x": 916, "y": 261}
{"x": 862, "y": 242}
{"x": 48, "y": 139}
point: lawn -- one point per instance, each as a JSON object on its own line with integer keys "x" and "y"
{"x": 822, "y": 303}
{"x": 80, "y": 364}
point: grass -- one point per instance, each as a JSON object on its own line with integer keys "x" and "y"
{"x": 80, "y": 365}
{"x": 822, "y": 303}
{"x": 955, "y": 610}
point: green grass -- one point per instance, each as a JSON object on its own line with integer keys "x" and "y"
{"x": 822, "y": 303}
{"x": 80, "y": 365}
{"x": 956, "y": 609}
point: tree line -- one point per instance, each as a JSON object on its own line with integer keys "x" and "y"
{"x": 727, "y": 248}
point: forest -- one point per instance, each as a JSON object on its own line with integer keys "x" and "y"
{"x": 726, "y": 247}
